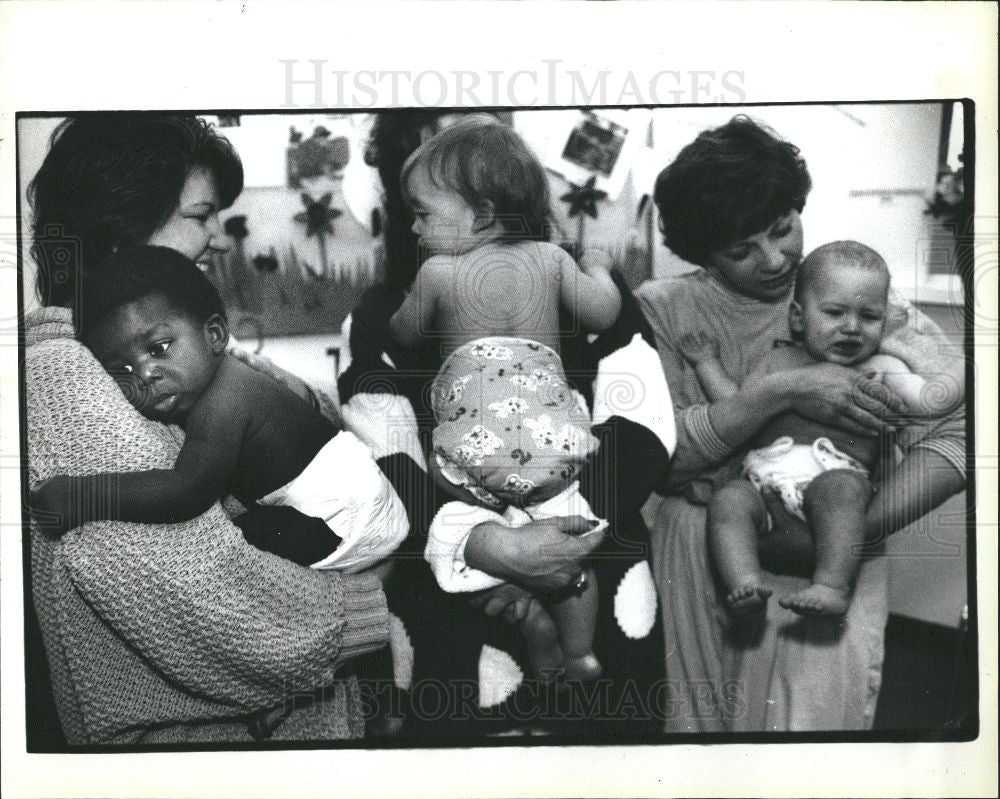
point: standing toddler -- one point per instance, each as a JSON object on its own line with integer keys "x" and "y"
{"x": 510, "y": 431}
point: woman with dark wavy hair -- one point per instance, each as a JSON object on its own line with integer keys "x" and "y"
{"x": 112, "y": 181}
{"x": 186, "y": 633}
{"x": 730, "y": 203}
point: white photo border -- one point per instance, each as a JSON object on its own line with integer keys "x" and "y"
{"x": 77, "y": 56}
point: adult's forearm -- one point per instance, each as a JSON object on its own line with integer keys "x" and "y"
{"x": 922, "y": 481}
{"x": 740, "y": 415}
{"x": 707, "y": 435}
{"x": 716, "y": 382}
{"x": 544, "y": 555}
{"x": 485, "y": 549}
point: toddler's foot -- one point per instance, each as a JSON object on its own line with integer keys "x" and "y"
{"x": 819, "y": 600}
{"x": 585, "y": 669}
{"x": 748, "y": 599}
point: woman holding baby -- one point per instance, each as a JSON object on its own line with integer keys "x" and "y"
{"x": 509, "y": 562}
{"x": 730, "y": 203}
{"x": 203, "y": 632}
{"x": 181, "y": 632}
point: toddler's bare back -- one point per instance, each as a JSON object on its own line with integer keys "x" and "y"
{"x": 498, "y": 289}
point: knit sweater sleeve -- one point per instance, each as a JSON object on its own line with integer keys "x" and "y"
{"x": 698, "y": 447}
{"x": 224, "y": 621}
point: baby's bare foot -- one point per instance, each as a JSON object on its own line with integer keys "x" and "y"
{"x": 819, "y": 600}
{"x": 586, "y": 668}
{"x": 749, "y": 598}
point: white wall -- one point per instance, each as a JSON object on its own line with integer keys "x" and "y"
{"x": 873, "y": 168}
{"x": 887, "y": 151}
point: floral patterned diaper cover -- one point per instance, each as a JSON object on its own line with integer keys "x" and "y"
{"x": 508, "y": 427}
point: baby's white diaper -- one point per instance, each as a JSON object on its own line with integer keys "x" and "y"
{"x": 344, "y": 486}
{"x": 788, "y": 468}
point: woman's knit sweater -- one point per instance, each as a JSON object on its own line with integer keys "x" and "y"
{"x": 171, "y": 633}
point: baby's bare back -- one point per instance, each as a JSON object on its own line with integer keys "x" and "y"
{"x": 499, "y": 290}
{"x": 282, "y": 433}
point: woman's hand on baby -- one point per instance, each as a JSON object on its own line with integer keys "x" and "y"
{"x": 53, "y": 504}
{"x": 544, "y": 556}
{"x": 844, "y": 398}
{"x": 698, "y": 347}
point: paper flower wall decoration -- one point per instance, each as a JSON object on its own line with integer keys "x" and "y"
{"x": 266, "y": 263}
{"x": 318, "y": 219}
{"x": 582, "y": 201}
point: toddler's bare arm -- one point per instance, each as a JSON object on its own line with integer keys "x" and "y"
{"x": 214, "y": 432}
{"x": 702, "y": 352}
{"x": 919, "y": 394}
{"x": 412, "y": 322}
{"x": 587, "y": 291}
{"x": 925, "y": 350}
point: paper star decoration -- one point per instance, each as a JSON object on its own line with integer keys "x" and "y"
{"x": 583, "y": 199}
{"x": 318, "y": 218}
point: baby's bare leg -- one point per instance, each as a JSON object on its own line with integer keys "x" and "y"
{"x": 576, "y": 617}
{"x": 736, "y": 517}
{"x": 542, "y": 637}
{"x": 835, "y": 504}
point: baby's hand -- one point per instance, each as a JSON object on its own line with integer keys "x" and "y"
{"x": 698, "y": 347}
{"x": 53, "y": 505}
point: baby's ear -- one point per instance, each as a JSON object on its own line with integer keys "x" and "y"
{"x": 217, "y": 332}
{"x": 486, "y": 215}
{"x": 795, "y": 317}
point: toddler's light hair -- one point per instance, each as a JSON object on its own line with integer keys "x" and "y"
{"x": 492, "y": 169}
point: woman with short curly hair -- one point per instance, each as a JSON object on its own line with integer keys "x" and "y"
{"x": 730, "y": 204}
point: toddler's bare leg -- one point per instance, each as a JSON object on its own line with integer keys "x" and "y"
{"x": 576, "y": 617}
{"x": 835, "y": 504}
{"x": 736, "y": 516}
{"x": 542, "y": 637}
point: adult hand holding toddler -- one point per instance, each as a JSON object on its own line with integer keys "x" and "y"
{"x": 545, "y": 555}
{"x": 843, "y": 397}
